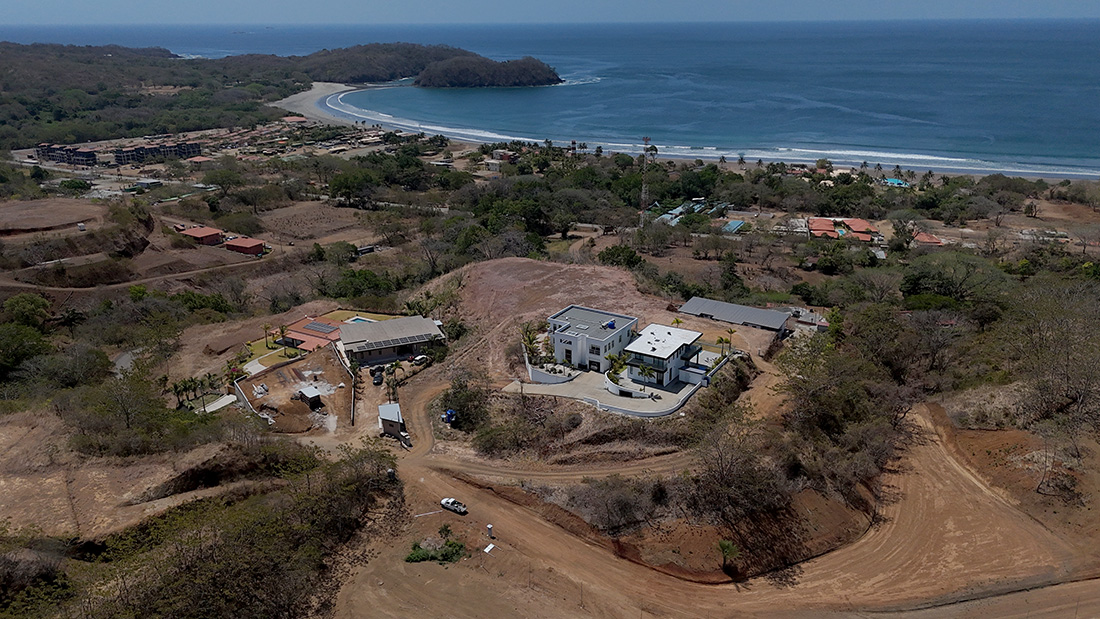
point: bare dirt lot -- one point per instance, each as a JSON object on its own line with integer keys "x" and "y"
{"x": 273, "y": 392}
{"x": 315, "y": 221}
{"x": 49, "y": 214}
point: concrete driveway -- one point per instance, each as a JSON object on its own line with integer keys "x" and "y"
{"x": 589, "y": 386}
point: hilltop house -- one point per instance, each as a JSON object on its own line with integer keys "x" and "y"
{"x": 667, "y": 352}
{"x": 388, "y": 340}
{"x": 584, "y": 337}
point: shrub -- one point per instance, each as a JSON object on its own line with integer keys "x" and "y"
{"x": 451, "y": 551}
{"x": 470, "y": 401}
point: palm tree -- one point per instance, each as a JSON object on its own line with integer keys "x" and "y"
{"x": 189, "y": 385}
{"x": 721, "y": 341}
{"x": 212, "y": 382}
{"x": 677, "y": 322}
{"x": 397, "y": 365}
{"x": 646, "y": 372}
{"x": 267, "y": 332}
{"x": 391, "y": 380}
{"x": 729, "y": 340}
{"x": 730, "y": 551}
{"x": 282, "y": 337}
{"x": 529, "y": 337}
{"x": 178, "y": 391}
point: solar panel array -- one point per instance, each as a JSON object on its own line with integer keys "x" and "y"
{"x": 320, "y": 327}
{"x": 401, "y": 341}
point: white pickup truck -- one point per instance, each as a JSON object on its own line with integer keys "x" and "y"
{"x": 454, "y": 505}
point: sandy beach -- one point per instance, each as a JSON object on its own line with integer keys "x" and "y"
{"x": 305, "y": 103}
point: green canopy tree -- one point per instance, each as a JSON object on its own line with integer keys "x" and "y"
{"x": 28, "y": 309}
{"x": 225, "y": 180}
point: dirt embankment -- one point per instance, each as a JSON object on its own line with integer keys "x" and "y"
{"x": 689, "y": 551}
{"x": 43, "y": 483}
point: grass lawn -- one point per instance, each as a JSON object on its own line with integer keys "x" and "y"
{"x": 343, "y": 315}
{"x": 558, "y": 246}
{"x": 258, "y": 349}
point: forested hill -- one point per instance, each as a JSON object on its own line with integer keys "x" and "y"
{"x": 69, "y": 94}
{"x": 478, "y": 71}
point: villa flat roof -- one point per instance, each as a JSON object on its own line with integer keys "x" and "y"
{"x": 662, "y": 341}
{"x": 590, "y": 322}
{"x": 736, "y": 314}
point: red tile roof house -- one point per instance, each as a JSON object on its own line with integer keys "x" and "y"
{"x": 246, "y": 245}
{"x": 929, "y": 240}
{"x": 309, "y": 333}
{"x": 204, "y": 235}
{"x": 859, "y": 229}
{"x": 820, "y": 226}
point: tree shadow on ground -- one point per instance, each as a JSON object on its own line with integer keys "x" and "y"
{"x": 785, "y": 578}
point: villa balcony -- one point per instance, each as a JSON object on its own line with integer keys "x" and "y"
{"x": 656, "y": 364}
{"x": 691, "y": 352}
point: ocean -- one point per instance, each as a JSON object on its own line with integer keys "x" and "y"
{"x": 1016, "y": 96}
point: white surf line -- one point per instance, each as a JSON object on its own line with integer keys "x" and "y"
{"x": 841, "y": 155}
{"x": 428, "y": 513}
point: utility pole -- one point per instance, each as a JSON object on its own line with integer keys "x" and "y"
{"x": 645, "y": 182}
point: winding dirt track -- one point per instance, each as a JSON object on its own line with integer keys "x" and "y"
{"x": 946, "y": 543}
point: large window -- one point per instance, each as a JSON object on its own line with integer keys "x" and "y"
{"x": 594, "y": 350}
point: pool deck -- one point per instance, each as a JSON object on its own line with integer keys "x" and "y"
{"x": 345, "y": 315}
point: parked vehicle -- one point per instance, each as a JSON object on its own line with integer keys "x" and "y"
{"x": 453, "y": 505}
{"x": 378, "y": 378}
{"x": 421, "y": 359}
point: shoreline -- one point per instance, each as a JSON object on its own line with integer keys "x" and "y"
{"x": 316, "y": 104}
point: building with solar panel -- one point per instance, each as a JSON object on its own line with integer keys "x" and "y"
{"x": 309, "y": 333}
{"x": 368, "y": 343}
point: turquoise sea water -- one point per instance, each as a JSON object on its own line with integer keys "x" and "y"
{"x": 1016, "y": 96}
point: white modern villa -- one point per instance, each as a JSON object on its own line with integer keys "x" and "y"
{"x": 584, "y": 337}
{"x": 669, "y": 353}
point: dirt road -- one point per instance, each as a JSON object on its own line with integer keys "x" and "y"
{"x": 946, "y": 537}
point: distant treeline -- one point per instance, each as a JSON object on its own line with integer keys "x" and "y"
{"x": 477, "y": 71}
{"x": 71, "y": 94}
